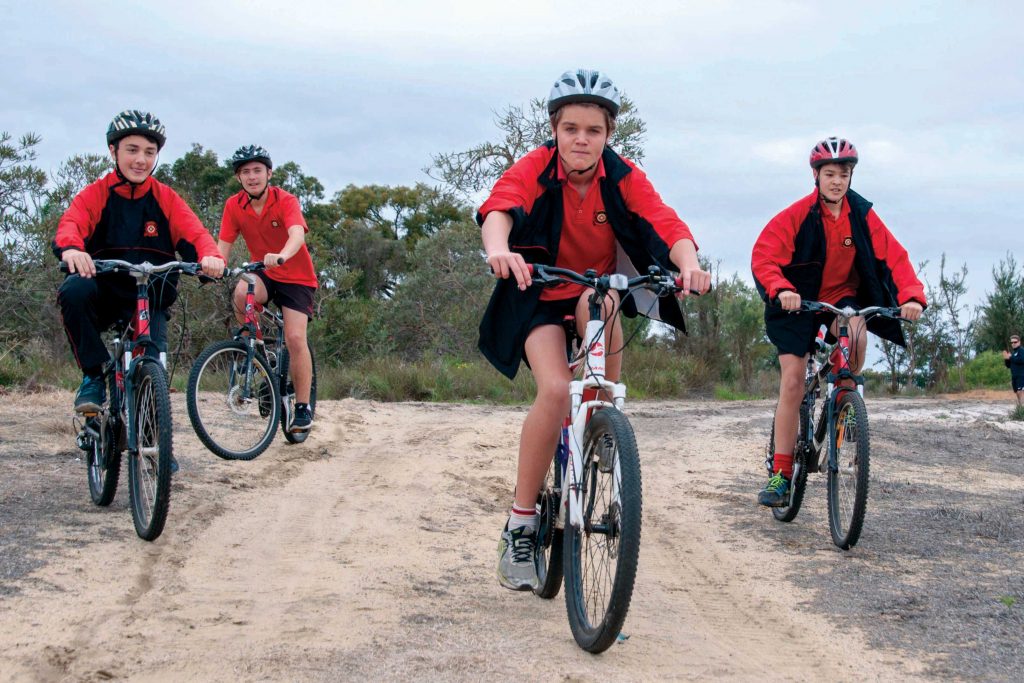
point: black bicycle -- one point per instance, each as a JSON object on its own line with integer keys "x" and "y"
{"x": 137, "y": 414}
{"x": 841, "y": 425}
{"x": 239, "y": 389}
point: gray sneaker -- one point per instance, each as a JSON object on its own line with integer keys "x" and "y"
{"x": 516, "y": 559}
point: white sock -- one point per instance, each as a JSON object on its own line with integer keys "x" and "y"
{"x": 521, "y": 517}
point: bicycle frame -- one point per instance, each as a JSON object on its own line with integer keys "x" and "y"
{"x": 592, "y": 359}
{"x": 253, "y": 311}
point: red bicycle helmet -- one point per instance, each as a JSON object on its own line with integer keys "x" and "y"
{"x": 833, "y": 151}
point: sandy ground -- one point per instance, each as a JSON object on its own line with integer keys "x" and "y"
{"x": 369, "y": 552}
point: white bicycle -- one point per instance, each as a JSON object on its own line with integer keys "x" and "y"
{"x": 590, "y": 504}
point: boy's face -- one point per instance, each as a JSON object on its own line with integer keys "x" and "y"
{"x": 135, "y": 155}
{"x": 581, "y": 134}
{"x": 833, "y": 181}
{"x": 254, "y": 177}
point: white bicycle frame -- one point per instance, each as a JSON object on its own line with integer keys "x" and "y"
{"x": 592, "y": 354}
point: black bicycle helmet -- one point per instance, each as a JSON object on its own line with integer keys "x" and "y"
{"x": 244, "y": 155}
{"x": 135, "y": 122}
{"x": 585, "y": 85}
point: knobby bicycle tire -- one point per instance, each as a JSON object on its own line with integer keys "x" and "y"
{"x": 231, "y": 426}
{"x": 550, "y": 548}
{"x": 105, "y": 456}
{"x": 848, "y": 480}
{"x": 789, "y": 513}
{"x": 288, "y": 393}
{"x": 600, "y": 559}
{"x": 149, "y": 465}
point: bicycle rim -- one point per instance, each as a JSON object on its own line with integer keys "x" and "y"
{"x": 233, "y": 420}
{"x": 848, "y": 480}
{"x": 149, "y": 465}
{"x": 601, "y": 558}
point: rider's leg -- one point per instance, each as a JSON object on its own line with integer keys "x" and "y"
{"x": 301, "y": 363}
{"x": 787, "y": 412}
{"x": 858, "y": 332}
{"x": 545, "y": 350}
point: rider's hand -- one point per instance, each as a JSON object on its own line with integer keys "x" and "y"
{"x": 505, "y": 263}
{"x": 79, "y": 262}
{"x": 911, "y": 310}
{"x": 789, "y": 300}
{"x": 270, "y": 260}
{"x": 694, "y": 279}
{"x": 213, "y": 266}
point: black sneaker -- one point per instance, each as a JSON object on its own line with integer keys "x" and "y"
{"x": 91, "y": 395}
{"x": 302, "y": 420}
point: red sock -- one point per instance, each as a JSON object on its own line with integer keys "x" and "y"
{"x": 784, "y": 464}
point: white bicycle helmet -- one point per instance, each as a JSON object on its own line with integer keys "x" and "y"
{"x": 585, "y": 85}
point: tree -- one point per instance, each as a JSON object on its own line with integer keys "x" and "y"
{"x": 399, "y": 212}
{"x": 465, "y": 174}
{"x": 1002, "y": 313}
{"x": 952, "y": 289}
{"x": 201, "y": 181}
{"x": 22, "y": 189}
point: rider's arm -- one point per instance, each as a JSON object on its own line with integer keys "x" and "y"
{"x": 184, "y": 223}
{"x": 774, "y": 249}
{"x": 291, "y": 215}
{"x": 224, "y": 248}
{"x": 79, "y": 221}
{"x": 888, "y": 249}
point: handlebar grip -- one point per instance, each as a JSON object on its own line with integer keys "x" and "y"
{"x": 63, "y": 267}
{"x": 280, "y": 261}
{"x": 678, "y": 282}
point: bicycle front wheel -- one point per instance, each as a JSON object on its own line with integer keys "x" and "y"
{"x": 288, "y": 396}
{"x": 601, "y": 556}
{"x": 848, "y": 472}
{"x": 149, "y": 464}
{"x": 234, "y": 421}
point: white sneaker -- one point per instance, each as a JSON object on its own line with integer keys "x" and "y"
{"x": 517, "y": 550}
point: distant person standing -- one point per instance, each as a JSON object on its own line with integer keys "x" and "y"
{"x": 1015, "y": 361}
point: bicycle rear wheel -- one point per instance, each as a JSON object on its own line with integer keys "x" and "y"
{"x": 549, "y": 536}
{"x": 231, "y": 422}
{"x": 288, "y": 396}
{"x": 848, "y": 479}
{"x": 601, "y": 557}
{"x": 149, "y": 465}
{"x": 799, "y": 483}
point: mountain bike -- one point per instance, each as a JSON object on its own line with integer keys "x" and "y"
{"x": 239, "y": 388}
{"x": 137, "y": 414}
{"x": 590, "y": 505}
{"x": 841, "y": 425}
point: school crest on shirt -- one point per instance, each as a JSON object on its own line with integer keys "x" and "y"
{"x": 600, "y": 217}
{"x": 274, "y": 224}
{"x": 848, "y": 241}
{"x": 149, "y": 230}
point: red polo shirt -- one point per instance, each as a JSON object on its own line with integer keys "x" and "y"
{"x": 267, "y": 232}
{"x": 587, "y": 240}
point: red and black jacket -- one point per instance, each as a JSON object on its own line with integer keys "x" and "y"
{"x": 886, "y": 275}
{"x": 536, "y": 236}
{"x": 113, "y": 219}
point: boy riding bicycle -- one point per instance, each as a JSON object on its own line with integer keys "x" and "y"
{"x": 128, "y": 215}
{"x": 830, "y": 246}
{"x": 569, "y": 203}
{"x": 271, "y": 223}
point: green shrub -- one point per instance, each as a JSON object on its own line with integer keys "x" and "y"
{"x": 987, "y": 370}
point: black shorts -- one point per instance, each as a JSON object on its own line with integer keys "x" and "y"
{"x": 289, "y": 295}
{"x": 794, "y": 333}
{"x": 552, "y": 312}
{"x": 1017, "y": 382}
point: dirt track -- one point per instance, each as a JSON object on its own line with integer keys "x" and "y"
{"x": 369, "y": 552}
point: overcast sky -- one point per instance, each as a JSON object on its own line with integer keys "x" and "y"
{"x": 734, "y": 95}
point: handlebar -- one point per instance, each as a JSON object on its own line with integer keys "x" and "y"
{"x": 144, "y": 268}
{"x": 893, "y": 312}
{"x": 251, "y": 267}
{"x": 656, "y": 279}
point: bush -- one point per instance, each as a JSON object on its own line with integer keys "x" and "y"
{"x": 987, "y": 370}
